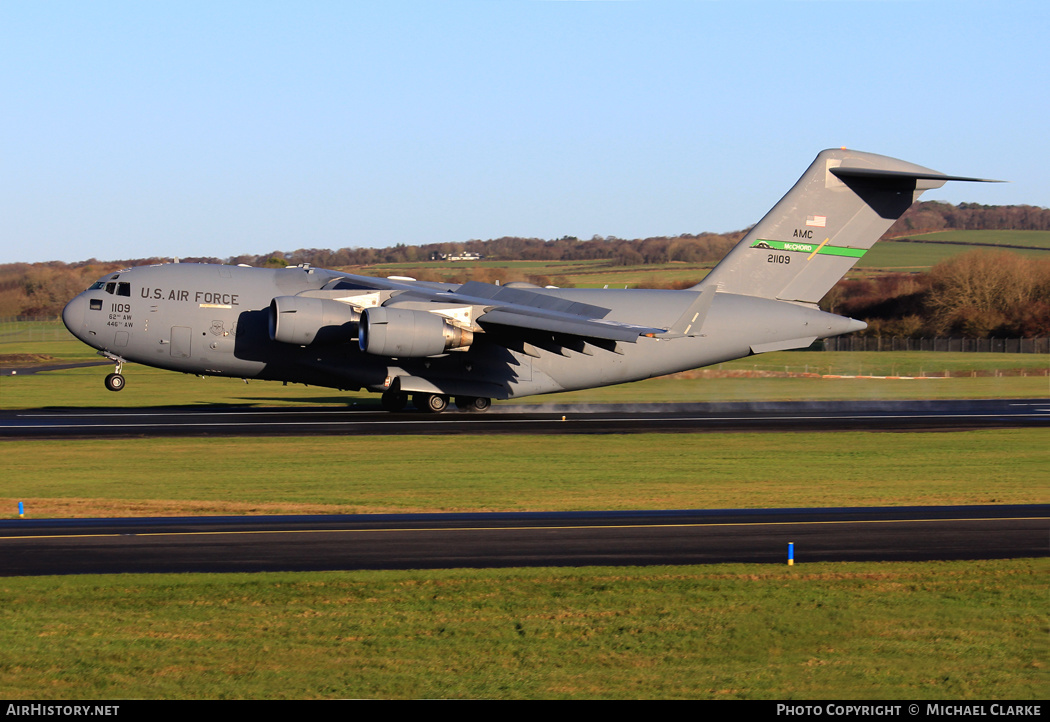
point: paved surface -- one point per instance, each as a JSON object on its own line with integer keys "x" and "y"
{"x": 517, "y": 419}
{"x": 423, "y": 541}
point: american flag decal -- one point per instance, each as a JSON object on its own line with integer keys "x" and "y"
{"x": 817, "y": 221}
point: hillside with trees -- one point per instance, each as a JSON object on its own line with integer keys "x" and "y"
{"x": 978, "y": 294}
{"x": 928, "y": 216}
{"x": 975, "y": 294}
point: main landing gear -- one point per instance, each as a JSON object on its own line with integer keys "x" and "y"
{"x": 433, "y": 403}
{"x": 395, "y": 400}
{"x": 476, "y": 404}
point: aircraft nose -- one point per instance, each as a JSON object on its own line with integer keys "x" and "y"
{"x": 73, "y": 315}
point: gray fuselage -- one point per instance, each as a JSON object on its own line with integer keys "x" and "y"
{"x": 215, "y": 320}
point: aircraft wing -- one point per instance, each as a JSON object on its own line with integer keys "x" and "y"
{"x": 565, "y": 324}
{"x": 513, "y": 307}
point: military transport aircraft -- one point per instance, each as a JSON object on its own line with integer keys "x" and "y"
{"x": 475, "y": 342}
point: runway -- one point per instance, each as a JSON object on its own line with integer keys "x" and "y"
{"x": 522, "y": 419}
{"x": 427, "y": 541}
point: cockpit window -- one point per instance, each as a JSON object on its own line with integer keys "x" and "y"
{"x": 97, "y": 285}
{"x": 123, "y": 289}
{"x": 110, "y": 287}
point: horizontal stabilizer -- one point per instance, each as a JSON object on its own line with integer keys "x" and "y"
{"x": 890, "y": 175}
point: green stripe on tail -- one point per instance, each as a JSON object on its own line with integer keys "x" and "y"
{"x": 796, "y": 247}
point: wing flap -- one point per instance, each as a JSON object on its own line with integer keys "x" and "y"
{"x": 578, "y": 326}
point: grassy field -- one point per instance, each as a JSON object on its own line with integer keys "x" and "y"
{"x": 902, "y": 256}
{"x": 576, "y": 274}
{"x": 164, "y": 477}
{"x": 936, "y": 247}
{"x": 1029, "y": 239}
{"x": 895, "y": 256}
{"x": 949, "y": 631}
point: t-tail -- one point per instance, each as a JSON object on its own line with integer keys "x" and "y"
{"x": 829, "y": 219}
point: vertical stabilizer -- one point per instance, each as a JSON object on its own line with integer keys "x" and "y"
{"x": 829, "y": 219}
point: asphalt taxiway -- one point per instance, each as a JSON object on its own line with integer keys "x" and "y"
{"x": 524, "y": 419}
{"x": 426, "y": 541}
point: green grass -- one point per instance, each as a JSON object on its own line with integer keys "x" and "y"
{"x": 892, "y": 363}
{"x": 160, "y": 476}
{"x": 899, "y": 256}
{"x": 1031, "y": 239}
{"x": 576, "y": 274}
{"x": 758, "y": 390}
{"x": 29, "y": 331}
{"x": 42, "y": 337}
{"x": 894, "y": 256}
{"x": 946, "y": 631}
{"x": 459, "y": 267}
{"x": 910, "y": 256}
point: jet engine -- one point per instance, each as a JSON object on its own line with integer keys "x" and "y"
{"x": 303, "y": 321}
{"x": 406, "y": 333}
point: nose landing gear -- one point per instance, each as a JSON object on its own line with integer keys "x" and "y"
{"x": 115, "y": 381}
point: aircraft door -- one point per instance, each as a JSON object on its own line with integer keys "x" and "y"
{"x": 180, "y": 341}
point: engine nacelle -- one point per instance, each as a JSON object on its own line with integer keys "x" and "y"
{"x": 303, "y": 321}
{"x": 406, "y": 333}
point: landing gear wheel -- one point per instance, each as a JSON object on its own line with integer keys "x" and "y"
{"x": 431, "y": 403}
{"x": 114, "y": 382}
{"x": 473, "y": 403}
{"x": 395, "y": 400}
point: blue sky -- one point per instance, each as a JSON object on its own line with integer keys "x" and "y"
{"x": 220, "y": 128}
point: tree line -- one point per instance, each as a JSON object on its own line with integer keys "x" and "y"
{"x": 930, "y": 216}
